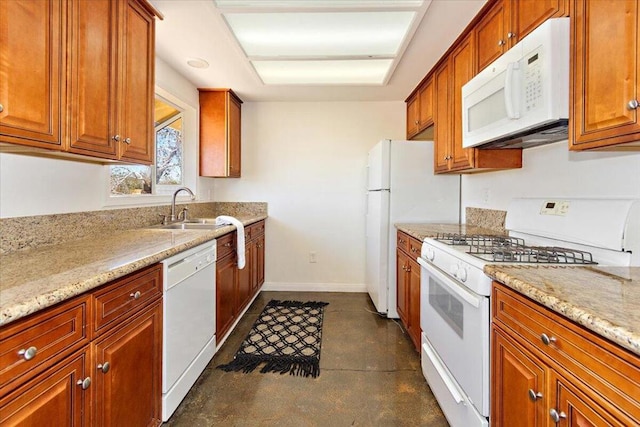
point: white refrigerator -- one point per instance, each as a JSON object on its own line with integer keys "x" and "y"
{"x": 401, "y": 188}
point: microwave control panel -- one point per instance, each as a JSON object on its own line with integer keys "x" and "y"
{"x": 532, "y": 82}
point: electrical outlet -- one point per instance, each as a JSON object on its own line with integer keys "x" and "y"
{"x": 313, "y": 257}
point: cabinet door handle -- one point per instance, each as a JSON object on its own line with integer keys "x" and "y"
{"x": 546, "y": 340}
{"x": 1, "y": 108}
{"x": 501, "y": 42}
{"x": 29, "y": 353}
{"x": 85, "y": 383}
{"x": 104, "y": 367}
{"x": 136, "y": 295}
{"x": 510, "y": 35}
{"x": 633, "y": 104}
{"x": 127, "y": 141}
{"x": 557, "y": 416}
{"x": 116, "y": 138}
{"x": 408, "y": 269}
{"x": 534, "y": 396}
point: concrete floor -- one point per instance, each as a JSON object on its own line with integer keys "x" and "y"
{"x": 370, "y": 375}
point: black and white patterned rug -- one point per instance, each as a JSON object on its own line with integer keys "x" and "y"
{"x": 286, "y": 337}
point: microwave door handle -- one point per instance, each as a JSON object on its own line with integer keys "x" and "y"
{"x": 509, "y": 92}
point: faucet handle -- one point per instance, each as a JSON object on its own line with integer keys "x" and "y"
{"x": 164, "y": 219}
{"x": 184, "y": 213}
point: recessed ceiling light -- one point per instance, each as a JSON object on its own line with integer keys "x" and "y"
{"x": 197, "y": 63}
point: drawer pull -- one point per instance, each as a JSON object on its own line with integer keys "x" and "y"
{"x": 401, "y": 241}
{"x": 136, "y": 295}
{"x": 414, "y": 250}
{"x": 85, "y": 383}
{"x": 227, "y": 245}
{"x": 104, "y": 367}
{"x": 29, "y": 353}
{"x": 557, "y": 416}
{"x": 546, "y": 340}
{"x": 534, "y": 396}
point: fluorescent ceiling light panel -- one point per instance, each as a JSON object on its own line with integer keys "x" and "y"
{"x": 318, "y": 3}
{"x": 334, "y": 34}
{"x": 334, "y": 72}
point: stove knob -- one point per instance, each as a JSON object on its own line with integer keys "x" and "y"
{"x": 454, "y": 270}
{"x": 462, "y": 274}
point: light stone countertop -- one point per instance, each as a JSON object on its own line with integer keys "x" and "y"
{"x": 423, "y": 230}
{"x": 605, "y": 300}
{"x": 37, "y": 278}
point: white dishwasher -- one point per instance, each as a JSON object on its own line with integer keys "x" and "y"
{"x": 189, "y": 323}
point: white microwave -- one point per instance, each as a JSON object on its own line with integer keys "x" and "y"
{"x": 522, "y": 99}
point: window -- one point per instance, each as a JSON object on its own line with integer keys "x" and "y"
{"x": 168, "y": 169}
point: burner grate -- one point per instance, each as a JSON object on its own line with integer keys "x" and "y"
{"x": 484, "y": 240}
{"x": 540, "y": 255}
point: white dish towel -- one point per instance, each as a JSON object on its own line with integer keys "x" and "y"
{"x": 229, "y": 220}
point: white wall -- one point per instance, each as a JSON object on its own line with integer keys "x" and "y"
{"x": 554, "y": 171}
{"x": 308, "y": 160}
{"x": 39, "y": 186}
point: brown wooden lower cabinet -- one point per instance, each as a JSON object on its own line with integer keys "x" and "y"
{"x": 236, "y": 288}
{"x": 547, "y": 370}
{"x": 93, "y": 360}
{"x": 408, "y": 285}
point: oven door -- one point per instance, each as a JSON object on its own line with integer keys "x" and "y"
{"x": 455, "y": 321}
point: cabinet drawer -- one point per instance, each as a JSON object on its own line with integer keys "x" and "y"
{"x": 126, "y": 296}
{"x": 226, "y": 244}
{"x": 256, "y": 230}
{"x": 414, "y": 247}
{"x": 402, "y": 241}
{"x": 44, "y": 338}
{"x": 612, "y": 372}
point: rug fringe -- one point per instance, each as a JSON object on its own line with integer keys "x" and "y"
{"x": 302, "y": 368}
{"x": 291, "y": 303}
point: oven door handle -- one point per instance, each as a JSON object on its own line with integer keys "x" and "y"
{"x": 444, "y": 376}
{"x": 459, "y": 290}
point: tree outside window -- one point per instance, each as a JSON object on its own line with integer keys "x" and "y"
{"x": 127, "y": 180}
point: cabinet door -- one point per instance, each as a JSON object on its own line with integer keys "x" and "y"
{"x": 53, "y": 398}
{"x": 462, "y": 71}
{"x": 425, "y": 112}
{"x": 602, "y": 89}
{"x": 402, "y": 283}
{"x": 225, "y": 295}
{"x": 576, "y": 409}
{"x": 527, "y": 15}
{"x": 129, "y": 392}
{"x": 490, "y": 34}
{"x": 518, "y": 385}
{"x": 412, "y": 117}
{"x": 260, "y": 260}
{"x": 442, "y": 120}
{"x": 414, "y": 302}
{"x": 234, "y": 137}
{"x": 93, "y": 28}
{"x": 32, "y": 70}
{"x": 245, "y": 287}
{"x": 137, "y": 95}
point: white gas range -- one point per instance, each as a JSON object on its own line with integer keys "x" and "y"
{"x": 455, "y": 317}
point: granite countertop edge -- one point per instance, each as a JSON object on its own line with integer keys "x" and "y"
{"x": 35, "y": 301}
{"x": 591, "y": 320}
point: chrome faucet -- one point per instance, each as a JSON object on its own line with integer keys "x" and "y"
{"x": 173, "y": 201}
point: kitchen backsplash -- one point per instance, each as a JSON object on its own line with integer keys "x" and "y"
{"x": 33, "y": 231}
{"x": 486, "y": 218}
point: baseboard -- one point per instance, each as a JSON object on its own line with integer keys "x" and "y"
{"x": 315, "y": 287}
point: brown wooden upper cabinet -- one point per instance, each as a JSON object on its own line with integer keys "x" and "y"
{"x": 605, "y": 74}
{"x": 420, "y": 109}
{"x": 509, "y": 21}
{"x": 93, "y": 95}
{"x": 220, "y": 124}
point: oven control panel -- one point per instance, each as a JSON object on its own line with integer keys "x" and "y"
{"x": 555, "y": 207}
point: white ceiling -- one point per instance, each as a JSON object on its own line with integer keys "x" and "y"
{"x": 196, "y": 29}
